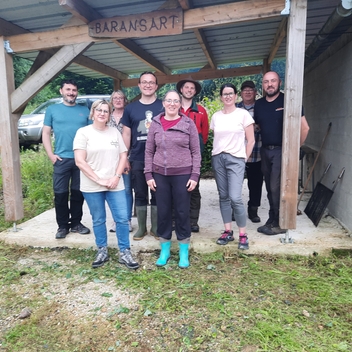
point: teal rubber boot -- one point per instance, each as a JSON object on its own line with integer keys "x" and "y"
{"x": 154, "y": 220}
{"x": 142, "y": 223}
{"x": 164, "y": 253}
{"x": 184, "y": 261}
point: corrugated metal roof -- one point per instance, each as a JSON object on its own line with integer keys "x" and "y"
{"x": 230, "y": 44}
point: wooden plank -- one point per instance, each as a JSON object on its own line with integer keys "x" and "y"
{"x": 230, "y": 13}
{"x": 139, "y": 53}
{"x": 200, "y": 75}
{"x": 279, "y": 37}
{"x": 10, "y": 150}
{"x": 152, "y": 24}
{"x": 194, "y": 18}
{"x": 44, "y": 74}
{"x": 296, "y": 33}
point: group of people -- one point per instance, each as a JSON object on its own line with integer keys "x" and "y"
{"x": 155, "y": 146}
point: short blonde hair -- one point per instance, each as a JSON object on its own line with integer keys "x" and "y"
{"x": 119, "y": 92}
{"x": 97, "y": 104}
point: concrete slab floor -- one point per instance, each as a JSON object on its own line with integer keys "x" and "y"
{"x": 307, "y": 239}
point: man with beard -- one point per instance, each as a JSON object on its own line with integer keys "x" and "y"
{"x": 64, "y": 120}
{"x": 268, "y": 114}
{"x": 189, "y": 88}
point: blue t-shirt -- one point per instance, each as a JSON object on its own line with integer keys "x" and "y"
{"x": 138, "y": 117}
{"x": 64, "y": 121}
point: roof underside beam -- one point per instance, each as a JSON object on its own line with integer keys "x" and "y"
{"x": 201, "y": 75}
{"x": 193, "y": 18}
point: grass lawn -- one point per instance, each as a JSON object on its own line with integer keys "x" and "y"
{"x": 221, "y": 303}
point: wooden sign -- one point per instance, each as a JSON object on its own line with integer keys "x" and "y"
{"x": 152, "y": 24}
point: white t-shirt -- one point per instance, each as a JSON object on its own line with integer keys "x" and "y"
{"x": 103, "y": 154}
{"x": 229, "y": 132}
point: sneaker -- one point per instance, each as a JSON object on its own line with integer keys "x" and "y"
{"x": 225, "y": 238}
{"x": 61, "y": 233}
{"x": 113, "y": 227}
{"x": 130, "y": 225}
{"x": 243, "y": 242}
{"x": 101, "y": 258}
{"x": 125, "y": 257}
{"x": 81, "y": 229}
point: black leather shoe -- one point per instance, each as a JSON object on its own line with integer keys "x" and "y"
{"x": 194, "y": 228}
{"x": 81, "y": 229}
{"x": 61, "y": 233}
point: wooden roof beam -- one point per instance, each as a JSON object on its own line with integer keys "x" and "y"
{"x": 201, "y": 75}
{"x": 87, "y": 14}
{"x": 56, "y": 64}
{"x": 199, "y": 33}
{"x": 279, "y": 37}
{"x": 210, "y": 16}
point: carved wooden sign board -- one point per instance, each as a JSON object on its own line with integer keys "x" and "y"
{"x": 152, "y": 24}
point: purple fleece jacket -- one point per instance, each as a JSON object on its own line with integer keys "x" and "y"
{"x": 172, "y": 152}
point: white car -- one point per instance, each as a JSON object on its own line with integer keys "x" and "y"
{"x": 30, "y": 126}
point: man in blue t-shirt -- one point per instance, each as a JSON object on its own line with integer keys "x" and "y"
{"x": 64, "y": 120}
{"x": 269, "y": 115}
{"x": 136, "y": 121}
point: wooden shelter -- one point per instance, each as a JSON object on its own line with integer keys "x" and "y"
{"x": 122, "y": 38}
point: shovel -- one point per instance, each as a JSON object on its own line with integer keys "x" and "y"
{"x": 320, "y": 199}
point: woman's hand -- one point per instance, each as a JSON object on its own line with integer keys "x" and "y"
{"x": 113, "y": 182}
{"x": 152, "y": 185}
{"x": 191, "y": 185}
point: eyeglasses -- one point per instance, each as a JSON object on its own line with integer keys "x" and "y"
{"x": 248, "y": 90}
{"x": 170, "y": 101}
{"x": 103, "y": 111}
{"x": 226, "y": 95}
{"x": 117, "y": 98}
{"x": 151, "y": 83}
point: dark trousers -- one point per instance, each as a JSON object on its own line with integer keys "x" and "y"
{"x": 140, "y": 185}
{"x": 195, "y": 205}
{"x": 255, "y": 183}
{"x": 271, "y": 168}
{"x": 66, "y": 181}
{"x": 171, "y": 193}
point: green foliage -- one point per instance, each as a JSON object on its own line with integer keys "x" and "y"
{"x": 36, "y": 173}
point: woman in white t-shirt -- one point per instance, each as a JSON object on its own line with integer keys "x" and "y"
{"x": 101, "y": 155}
{"x": 232, "y": 145}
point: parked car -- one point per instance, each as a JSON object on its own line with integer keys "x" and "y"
{"x": 30, "y": 126}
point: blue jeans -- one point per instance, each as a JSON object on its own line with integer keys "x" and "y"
{"x": 118, "y": 206}
{"x": 229, "y": 173}
{"x": 129, "y": 196}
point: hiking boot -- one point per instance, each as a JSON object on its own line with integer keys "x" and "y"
{"x": 61, "y": 233}
{"x": 266, "y": 230}
{"x": 225, "y": 238}
{"x": 125, "y": 257}
{"x": 253, "y": 214}
{"x": 243, "y": 242}
{"x": 277, "y": 230}
{"x": 81, "y": 229}
{"x": 101, "y": 258}
{"x": 194, "y": 228}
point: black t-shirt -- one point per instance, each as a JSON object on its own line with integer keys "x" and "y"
{"x": 138, "y": 117}
{"x": 269, "y": 116}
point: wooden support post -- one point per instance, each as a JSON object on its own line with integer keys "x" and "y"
{"x": 296, "y": 33}
{"x": 10, "y": 150}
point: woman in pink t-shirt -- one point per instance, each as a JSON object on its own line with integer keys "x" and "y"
{"x": 232, "y": 145}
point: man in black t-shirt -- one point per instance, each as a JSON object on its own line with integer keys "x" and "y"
{"x": 136, "y": 121}
{"x": 269, "y": 114}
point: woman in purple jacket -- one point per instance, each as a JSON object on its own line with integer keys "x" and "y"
{"x": 172, "y": 169}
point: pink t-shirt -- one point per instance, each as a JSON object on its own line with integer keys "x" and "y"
{"x": 229, "y": 132}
